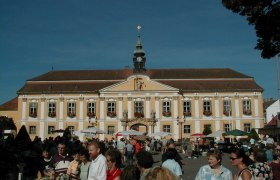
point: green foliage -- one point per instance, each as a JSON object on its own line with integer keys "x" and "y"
{"x": 207, "y": 130}
{"x": 253, "y": 134}
{"x": 6, "y": 124}
{"x": 265, "y": 16}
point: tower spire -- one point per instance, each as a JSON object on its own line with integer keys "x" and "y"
{"x": 139, "y": 58}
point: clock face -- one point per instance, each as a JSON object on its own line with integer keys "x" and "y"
{"x": 139, "y": 59}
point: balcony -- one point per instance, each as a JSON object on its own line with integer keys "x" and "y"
{"x": 138, "y": 114}
{"x": 226, "y": 113}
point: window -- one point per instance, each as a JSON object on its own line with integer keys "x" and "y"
{"x": 247, "y": 107}
{"x": 247, "y": 127}
{"x": 227, "y": 107}
{"x": 71, "y": 129}
{"x": 166, "y": 128}
{"x": 71, "y": 109}
{"x": 50, "y": 129}
{"x": 91, "y": 109}
{"x": 33, "y": 109}
{"x": 166, "y": 108}
{"x": 187, "y": 108}
{"x": 111, "y": 129}
{"x": 187, "y": 129}
{"x": 52, "y": 111}
{"x": 207, "y": 111}
{"x": 227, "y": 127}
{"x": 32, "y": 129}
{"x": 111, "y": 109}
{"x": 138, "y": 109}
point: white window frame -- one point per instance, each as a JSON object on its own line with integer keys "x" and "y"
{"x": 50, "y": 129}
{"x": 187, "y": 129}
{"x": 138, "y": 107}
{"x": 166, "y": 128}
{"x": 246, "y": 105}
{"x": 111, "y": 106}
{"x": 207, "y": 106}
{"x": 187, "y": 106}
{"x": 247, "y": 127}
{"x": 32, "y": 129}
{"x": 227, "y": 127}
{"x": 71, "y": 129}
{"x": 91, "y": 107}
{"x": 111, "y": 130}
{"x": 71, "y": 107}
{"x": 166, "y": 106}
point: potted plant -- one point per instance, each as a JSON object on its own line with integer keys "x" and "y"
{"x": 71, "y": 114}
{"x": 226, "y": 113}
{"x": 207, "y": 113}
{"x": 52, "y": 114}
{"x": 166, "y": 114}
{"x": 111, "y": 114}
{"x": 33, "y": 114}
{"x": 247, "y": 112}
{"x": 91, "y": 114}
{"x": 187, "y": 114}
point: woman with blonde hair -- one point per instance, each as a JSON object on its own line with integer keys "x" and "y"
{"x": 160, "y": 173}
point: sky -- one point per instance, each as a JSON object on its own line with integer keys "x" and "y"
{"x": 38, "y": 35}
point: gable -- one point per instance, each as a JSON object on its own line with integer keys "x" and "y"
{"x": 138, "y": 83}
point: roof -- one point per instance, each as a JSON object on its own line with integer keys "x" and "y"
{"x": 272, "y": 122}
{"x": 268, "y": 103}
{"x": 11, "y": 105}
{"x": 188, "y": 80}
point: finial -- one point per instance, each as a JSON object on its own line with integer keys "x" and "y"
{"x": 138, "y": 29}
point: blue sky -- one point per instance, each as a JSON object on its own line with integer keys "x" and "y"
{"x": 94, "y": 34}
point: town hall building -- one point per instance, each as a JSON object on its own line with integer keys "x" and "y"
{"x": 180, "y": 101}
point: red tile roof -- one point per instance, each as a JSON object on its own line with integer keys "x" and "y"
{"x": 195, "y": 80}
{"x": 272, "y": 122}
{"x": 11, "y": 105}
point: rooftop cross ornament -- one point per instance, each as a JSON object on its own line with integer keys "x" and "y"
{"x": 138, "y": 29}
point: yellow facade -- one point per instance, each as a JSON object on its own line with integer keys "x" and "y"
{"x": 152, "y": 94}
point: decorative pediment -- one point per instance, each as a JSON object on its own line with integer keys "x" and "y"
{"x": 138, "y": 83}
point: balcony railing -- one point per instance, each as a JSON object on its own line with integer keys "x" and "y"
{"x": 166, "y": 114}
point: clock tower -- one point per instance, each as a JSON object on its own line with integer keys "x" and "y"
{"x": 139, "y": 58}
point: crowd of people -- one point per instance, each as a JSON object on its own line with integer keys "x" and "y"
{"x": 131, "y": 159}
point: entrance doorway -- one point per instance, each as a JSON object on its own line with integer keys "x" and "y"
{"x": 140, "y": 127}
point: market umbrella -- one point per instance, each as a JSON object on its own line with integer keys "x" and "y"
{"x": 235, "y": 132}
{"x": 130, "y": 132}
{"x": 218, "y": 133}
{"x": 160, "y": 134}
{"x": 93, "y": 130}
{"x": 198, "y": 135}
{"x": 141, "y": 137}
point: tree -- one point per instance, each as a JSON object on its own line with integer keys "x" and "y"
{"x": 207, "y": 130}
{"x": 265, "y": 16}
{"x": 254, "y": 135}
{"x": 6, "y": 124}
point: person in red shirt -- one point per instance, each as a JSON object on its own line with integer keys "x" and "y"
{"x": 113, "y": 158}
